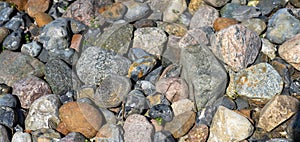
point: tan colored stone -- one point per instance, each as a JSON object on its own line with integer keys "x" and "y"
{"x": 76, "y": 42}
{"x": 194, "y": 5}
{"x": 34, "y": 7}
{"x": 222, "y": 23}
{"x": 114, "y": 12}
{"x": 42, "y": 19}
{"x": 276, "y": 111}
{"x": 61, "y": 127}
{"x": 199, "y": 133}
{"x": 157, "y": 127}
{"x": 182, "y": 106}
{"x": 19, "y": 4}
{"x": 290, "y": 51}
{"x": 175, "y": 29}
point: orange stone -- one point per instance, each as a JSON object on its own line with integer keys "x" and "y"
{"x": 222, "y": 23}
{"x": 76, "y": 42}
{"x": 42, "y": 19}
{"x": 36, "y": 6}
{"x": 61, "y": 127}
{"x": 19, "y": 4}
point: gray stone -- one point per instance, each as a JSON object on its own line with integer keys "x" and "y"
{"x": 204, "y": 16}
{"x": 162, "y": 111}
{"x": 8, "y": 117}
{"x": 95, "y": 64}
{"x": 173, "y": 50}
{"x": 136, "y": 10}
{"x": 5, "y": 12}
{"x": 135, "y": 102}
{"x": 110, "y": 133}
{"x": 267, "y": 6}
{"x": 32, "y": 49}
{"x": 228, "y": 125}
{"x": 90, "y": 36}
{"x": 174, "y": 9}
{"x": 145, "y": 86}
{"x": 255, "y": 24}
{"x": 268, "y": 48}
{"x": 239, "y": 12}
{"x": 137, "y": 53}
{"x": 163, "y": 136}
{"x": 154, "y": 75}
{"x": 216, "y": 3}
{"x": 241, "y": 103}
{"x": 3, "y": 134}
{"x": 13, "y": 40}
{"x": 205, "y": 75}
{"x": 109, "y": 116}
{"x": 8, "y": 100}
{"x": 41, "y": 111}
{"x": 282, "y": 26}
{"x": 15, "y": 22}
{"x": 226, "y": 102}
{"x": 15, "y": 66}
{"x": 77, "y": 26}
{"x": 21, "y": 137}
{"x": 73, "y": 137}
{"x": 157, "y": 99}
{"x": 195, "y": 37}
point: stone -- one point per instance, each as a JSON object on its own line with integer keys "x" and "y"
{"x": 33, "y": 7}
{"x": 236, "y": 46}
{"x": 154, "y": 75}
{"x": 194, "y": 5}
{"x": 266, "y": 7}
{"x": 3, "y": 134}
{"x": 175, "y": 89}
{"x": 296, "y": 3}
{"x": 4, "y": 88}
{"x": 81, "y": 117}
{"x": 241, "y": 103}
{"x": 223, "y": 22}
{"x": 8, "y": 100}
{"x": 182, "y": 106}
{"x": 145, "y": 86}
{"x": 144, "y": 23}
{"x": 239, "y": 12}
{"x": 32, "y": 49}
{"x": 150, "y": 39}
{"x": 226, "y": 102}
{"x": 15, "y": 66}
{"x": 268, "y": 48}
{"x": 111, "y": 133}
{"x": 258, "y": 81}
{"x": 196, "y": 37}
{"x": 21, "y": 137}
{"x": 135, "y": 102}
{"x": 95, "y": 64}
{"x": 13, "y": 40}
{"x": 283, "y": 25}
{"x": 41, "y": 111}
{"x": 156, "y": 99}
{"x": 137, "y": 128}
{"x": 205, "y": 75}
{"x": 216, "y": 3}
{"x": 255, "y": 24}
{"x": 16, "y": 22}
{"x": 42, "y": 19}
{"x": 162, "y": 111}
{"x": 163, "y": 136}
{"x": 204, "y": 16}
{"x": 173, "y": 10}
{"x": 5, "y": 12}
{"x": 140, "y": 67}
{"x": 172, "y": 51}
{"x": 76, "y": 42}
{"x": 4, "y": 32}
{"x": 77, "y": 27}
{"x": 228, "y": 125}
{"x": 45, "y": 135}
{"x": 73, "y": 137}
{"x": 290, "y": 52}
{"x": 112, "y": 91}
{"x": 136, "y": 10}
{"x": 181, "y": 124}
{"x": 8, "y": 117}
{"x": 279, "y": 109}
{"x": 199, "y": 133}
{"x": 109, "y": 116}
{"x": 137, "y": 53}
{"x": 174, "y": 29}
{"x": 114, "y": 12}
{"x": 29, "y": 89}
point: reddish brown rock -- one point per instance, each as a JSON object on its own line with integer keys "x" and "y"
{"x": 222, "y": 23}
{"x": 34, "y": 7}
{"x": 76, "y": 42}
{"x": 199, "y": 133}
{"x": 61, "y": 127}
{"x": 3, "y": 33}
{"x": 29, "y": 89}
{"x": 290, "y": 51}
{"x": 115, "y": 11}
{"x": 81, "y": 117}
{"x": 42, "y": 19}
{"x": 20, "y": 4}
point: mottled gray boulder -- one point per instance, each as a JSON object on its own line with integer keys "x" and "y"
{"x": 32, "y": 49}
{"x": 13, "y": 40}
{"x": 136, "y": 10}
{"x": 3, "y": 134}
{"x": 267, "y": 6}
{"x": 205, "y": 75}
{"x": 239, "y": 12}
{"x": 204, "y": 16}
{"x": 8, "y": 117}
{"x": 282, "y": 26}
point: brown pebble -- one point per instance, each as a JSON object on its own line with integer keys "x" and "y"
{"x": 42, "y": 19}
{"x": 222, "y": 23}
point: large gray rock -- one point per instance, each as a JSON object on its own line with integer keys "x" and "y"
{"x": 267, "y": 6}
{"x": 205, "y": 75}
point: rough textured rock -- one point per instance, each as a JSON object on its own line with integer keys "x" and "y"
{"x": 268, "y": 6}
{"x": 239, "y": 12}
{"x": 173, "y": 10}
{"x": 203, "y": 72}
{"x": 8, "y": 100}
{"x": 73, "y": 137}
{"x": 276, "y": 111}
{"x": 32, "y": 49}
{"x": 194, "y": 5}
{"x": 268, "y": 48}
{"x": 141, "y": 67}
{"x": 135, "y": 102}
{"x": 255, "y": 24}
{"x": 222, "y": 23}
{"x": 173, "y": 28}
{"x": 236, "y": 46}
{"x": 162, "y": 111}
{"x": 21, "y": 137}
{"x": 13, "y": 40}
{"x": 205, "y": 16}
{"x": 8, "y": 117}
{"x": 41, "y": 111}
{"x": 216, "y": 3}
{"x": 4, "y": 32}
{"x": 5, "y": 12}
{"x": 137, "y": 128}
{"x": 163, "y": 136}
{"x": 136, "y": 11}
{"x": 3, "y": 134}
{"x": 45, "y": 135}
{"x": 182, "y": 106}
{"x": 195, "y": 37}
{"x": 172, "y": 52}
{"x": 199, "y": 133}
{"x": 110, "y": 133}
{"x": 228, "y": 125}
{"x": 113, "y": 12}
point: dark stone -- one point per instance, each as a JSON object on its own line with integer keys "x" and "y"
{"x": 8, "y": 100}
{"x": 77, "y": 26}
{"x": 15, "y": 22}
{"x": 144, "y": 23}
{"x": 140, "y": 67}
{"x": 13, "y": 40}
{"x": 4, "y": 136}
{"x": 163, "y": 136}
{"x": 135, "y": 103}
{"x": 267, "y": 6}
{"x": 239, "y": 12}
{"x": 8, "y": 117}
{"x": 44, "y": 55}
{"x": 32, "y": 49}
{"x": 45, "y": 135}
{"x": 70, "y": 96}
{"x": 4, "y": 88}
{"x": 206, "y": 115}
{"x": 154, "y": 75}
{"x": 5, "y": 12}
{"x": 73, "y": 137}
{"x": 161, "y": 111}
{"x": 145, "y": 86}
{"x": 241, "y": 103}
{"x": 226, "y": 102}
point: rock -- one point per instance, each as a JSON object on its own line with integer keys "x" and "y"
{"x": 216, "y": 3}
{"x": 110, "y": 133}
{"x": 173, "y": 10}
{"x": 112, "y": 91}
{"x": 109, "y": 116}
{"x": 199, "y": 133}
{"x": 255, "y": 24}
{"x": 144, "y": 23}
{"x": 42, "y": 19}
{"x": 276, "y": 111}
{"x": 29, "y": 89}
{"x": 41, "y": 111}
{"x": 154, "y": 75}
{"x": 239, "y": 12}
{"x": 4, "y": 32}
{"x": 258, "y": 81}
{"x": 228, "y": 125}
{"x": 266, "y": 7}
{"x": 77, "y": 27}
{"x": 76, "y": 42}
{"x": 241, "y": 103}
{"x": 8, "y": 100}
{"x": 16, "y": 22}
{"x": 8, "y": 117}
{"x": 172, "y": 52}
{"x": 296, "y": 3}
{"x": 34, "y": 7}
{"x": 73, "y": 137}
{"x": 196, "y": 37}
{"x": 204, "y": 16}
{"x": 268, "y": 48}
{"x": 137, "y": 53}
{"x": 32, "y": 49}
{"x": 135, "y": 102}
{"x": 95, "y": 64}
{"x": 145, "y": 86}
{"x": 114, "y": 12}
{"x": 136, "y": 11}
{"x": 150, "y": 39}
{"x": 174, "y": 89}
{"x": 15, "y": 66}
{"x": 194, "y": 5}
{"x": 5, "y": 12}
{"x": 162, "y": 111}
{"x": 282, "y": 26}
{"x": 156, "y": 99}
{"x": 226, "y": 102}
{"x": 181, "y": 124}
{"x": 3, "y": 134}
{"x": 68, "y": 97}
{"x": 174, "y": 28}
{"x": 222, "y": 23}
{"x": 45, "y": 135}
{"x": 13, "y": 40}
{"x": 81, "y": 117}
{"x": 203, "y": 72}
{"x": 236, "y": 46}
{"x": 137, "y": 128}
{"x": 21, "y": 137}
{"x": 182, "y": 106}
{"x": 140, "y": 67}
{"x": 163, "y": 136}
{"x": 290, "y": 52}
{"x": 4, "y": 88}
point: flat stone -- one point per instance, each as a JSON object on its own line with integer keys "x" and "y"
{"x": 228, "y": 125}
{"x": 216, "y": 3}
{"x": 73, "y": 137}
{"x": 8, "y": 100}
{"x": 137, "y": 128}
{"x": 182, "y": 106}
{"x": 21, "y": 137}
{"x": 41, "y": 111}
{"x": 239, "y": 12}
{"x": 173, "y": 10}
{"x": 199, "y": 133}
{"x": 222, "y": 23}
{"x": 136, "y": 11}
{"x": 196, "y": 37}
{"x": 204, "y": 16}
{"x": 111, "y": 133}
{"x": 3, "y": 134}
{"x": 15, "y": 66}
{"x": 32, "y": 49}
{"x": 29, "y": 89}
{"x": 144, "y": 23}
{"x": 203, "y": 72}
{"x": 268, "y": 48}
{"x": 42, "y": 19}
{"x": 236, "y": 46}
{"x": 279, "y": 109}
{"x": 35, "y": 6}
{"x": 290, "y": 51}
{"x": 255, "y": 24}
{"x": 8, "y": 117}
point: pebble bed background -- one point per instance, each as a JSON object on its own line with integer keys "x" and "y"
{"x": 149, "y": 70}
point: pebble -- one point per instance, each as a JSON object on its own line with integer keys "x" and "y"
{"x": 216, "y": 3}
{"x": 15, "y": 66}
{"x": 73, "y": 137}
{"x": 174, "y": 9}
{"x": 239, "y": 12}
{"x": 288, "y": 47}
{"x": 135, "y": 102}
{"x": 110, "y": 133}
{"x": 13, "y": 40}
{"x": 136, "y": 10}
{"x": 8, "y": 117}
{"x": 144, "y": 23}
{"x": 255, "y": 24}
{"x": 194, "y": 5}
{"x": 95, "y": 64}
{"x": 222, "y": 23}
{"x": 156, "y": 99}
{"x": 45, "y": 135}
{"x": 266, "y": 7}
{"x": 228, "y": 125}
{"x": 77, "y": 27}
{"x": 114, "y": 12}
{"x": 162, "y": 111}
{"x": 112, "y": 91}
{"x": 81, "y": 117}
{"x": 42, "y": 19}
{"x": 196, "y": 37}
{"x": 150, "y": 39}
{"x": 21, "y": 137}
{"x": 173, "y": 28}
{"x": 236, "y": 46}
{"x": 3, "y": 134}
{"x": 163, "y": 136}
{"x": 140, "y": 67}
{"x": 5, "y": 12}
{"x": 175, "y": 89}
{"x": 268, "y": 48}
{"x": 154, "y": 75}
{"x": 181, "y": 124}
{"x": 283, "y": 25}
{"x": 32, "y": 49}
{"x": 199, "y": 133}
{"x": 258, "y": 81}
{"x": 137, "y": 128}
{"x": 8, "y": 100}
{"x": 145, "y": 86}
{"x": 204, "y": 16}
{"x": 42, "y": 111}
{"x": 296, "y": 3}
{"x": 279, "y": 109}
{"x": 33, "y": 7}
{"x": 76, "y": 42}
{"x": 15, "y": 22}
{"x": 29, "y": 89}
{"x": 182, "y": 106}
{"x": 4, "y": 32}
{"x": 205, "y": 75}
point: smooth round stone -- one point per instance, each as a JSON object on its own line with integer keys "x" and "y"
{"x": 255, "y": 24}
{"x": 73, "y": 137}
{"x": 5, "y": 11}
{"x": 268, "y": 6}
{"x": 32, "y": 49}
{"x": 110, "y": 132}
{"x": 4, "y": 32}
{"x": 161, "y": 111}
{"x": 223, "y": 22}
{"x": 15, "y": 22}
{"x": 4, "y": 134}
{"x": 110, "y": 117}
{"x": 136, "y": 10}
{"x": 8, "y": 117}
{"x": 140, "y": 67}
{"x": 135, "y": 102}
{"x": 21, "y": 137}
{"x": 163, "y": 136}
{"x": 33, "y": 7}
{"x": 8, "y": 100}
{"x": 13, "y": 40}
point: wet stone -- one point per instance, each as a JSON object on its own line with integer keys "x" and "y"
{"x": 3, "y": 134}
{"x": 73, "y": 137}
{"x": 204, "y": 16}
{"x": 174, "y": 9}
{"x": 21, "y": 137}
{"x": 5, "y": 12}
{"x": 136, "y": 11}
{"x": 8, "y": 117}
{"x": 163, "y": 136}
{"x": 145, "y": 86}
{"x": 111, "y": 133}
{"x": 255, "y": 24}
{"x": 8, "y": 100}
{"x": 95, "y": 64}
{"x": 45, "y": 135}
{"x": 283, "y": 25}
{"x": 236, "y": 46}
{"x": 222, "y": 23}
{"x": 182, "y": 106}
{"x": 216, "y": 3}
{"x": 196, "y": 37}
{"x": 135, "y": 102}
{"x": 288, "y": 47}
{"x": 199, "y": 133}
{"x": 161, "y": 111}
{"x": 140, "y": 67}
{"x": 15, "y": 22}
{"x": 266, "y": 7}
{"x": 32, "y": 49}
{"x": 239, "y": 12}
{"x": 13, "y": 40}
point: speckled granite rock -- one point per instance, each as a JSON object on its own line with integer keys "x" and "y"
{"x": 173, "y": 10}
